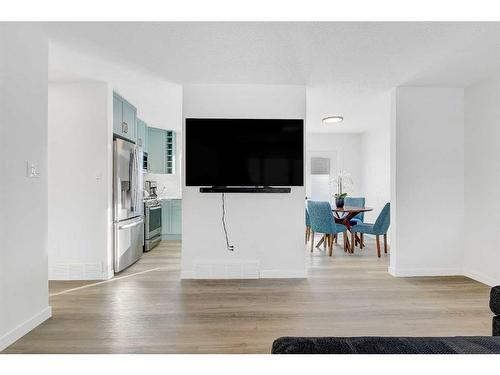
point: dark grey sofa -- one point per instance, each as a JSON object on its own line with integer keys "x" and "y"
{"x": 398, "y": 345}
{"x": 495, "y": 308}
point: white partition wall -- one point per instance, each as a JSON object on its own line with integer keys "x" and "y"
{"x": 482, "y": 181}
{"x": 427, "y": 181}
{"x": 23, "y": 191}
{"x": 267, "y": 230}
{"x": 80, "y": 181}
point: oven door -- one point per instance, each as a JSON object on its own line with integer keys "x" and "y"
{"x": 153, "y": 222}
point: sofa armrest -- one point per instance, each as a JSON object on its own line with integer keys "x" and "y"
{"x": 495, "y": 300}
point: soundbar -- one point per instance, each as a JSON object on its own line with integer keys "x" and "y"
{"x": 224, "y": 189}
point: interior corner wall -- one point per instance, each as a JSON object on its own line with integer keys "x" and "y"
{"x": 427, "y": 179}
{"x": 267, "y": 230}
{"x": 80, "y": 179}
{"x": 375, "y": 157}
{"x": 23, "y": 200}
{"x": 482, "y": 181}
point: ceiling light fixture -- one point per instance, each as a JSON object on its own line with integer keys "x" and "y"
{"x": 332, "y": 119}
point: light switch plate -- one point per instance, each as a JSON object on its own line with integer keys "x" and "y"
{"x": 32, "y": 169}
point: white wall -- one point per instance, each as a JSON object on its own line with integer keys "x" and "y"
{"x": 23, "y": 200}
{"x": 346, "y": 148}
{"x": 158, "y": 102}
{"x": 266, "y": 229}
{"x": 427, "y": 181}
{"x": 482, "y": 181}
{"x": 375, "y": 158}
{"x": 80, "y": 181}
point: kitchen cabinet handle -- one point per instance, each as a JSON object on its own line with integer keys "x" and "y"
{"x": 124, "y": 127}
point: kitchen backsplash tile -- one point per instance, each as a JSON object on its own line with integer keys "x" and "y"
{"x": 169, "y": 186}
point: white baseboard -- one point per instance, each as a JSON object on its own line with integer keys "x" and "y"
{"x": 264, "y": 274}
{"x": 187, "y": 275}
{"x": 79, "y": 271}
{"x": 409, "y": 272}
{"x": 11, "y": 337}
{"x": 109, "y": 274}
{"x": 478, "y": 276}
{"x": 283, "y": 274}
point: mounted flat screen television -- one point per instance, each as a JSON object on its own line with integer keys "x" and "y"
{"x": 244, "y": 152}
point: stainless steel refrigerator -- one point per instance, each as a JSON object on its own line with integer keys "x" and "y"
{"x": 128, "y": 208}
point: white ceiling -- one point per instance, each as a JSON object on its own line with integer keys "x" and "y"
{"x": 345, "y": 63}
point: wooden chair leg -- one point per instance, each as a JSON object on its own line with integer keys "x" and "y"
{"x": 307, "y": 230}
{"x": 344, "y": 235}
{"x": 353, "y": 237}
{"x": 385, "y": 243}
{"x": 312, "y": 241}
{"x": 378, "y": 245}
{"x": 320, "y": 241}
{"x": 336, "y": 238}
{"x": 362, "y": 240}
{"x": 325, "y": 240}
{"x": 330, "y": 244}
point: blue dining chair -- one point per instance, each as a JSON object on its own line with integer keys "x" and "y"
{"x": 356, "y": 202}
{"x": 308, "y": 226}
{"x": 377, "y": 229}
{"x": 359, "y": 218}
{"x": 322, "y": 221}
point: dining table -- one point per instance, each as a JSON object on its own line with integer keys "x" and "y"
{"x": 344, "y": 215}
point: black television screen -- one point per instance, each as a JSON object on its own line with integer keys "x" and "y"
{"x": 244, "y": 152}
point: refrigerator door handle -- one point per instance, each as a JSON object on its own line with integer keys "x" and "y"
{"x": 133, "y": 180}
{"x": 135, "y": 223}
{"x": 136, "y": 180}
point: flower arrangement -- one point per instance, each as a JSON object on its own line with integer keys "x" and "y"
{"x": 344, "y": 182}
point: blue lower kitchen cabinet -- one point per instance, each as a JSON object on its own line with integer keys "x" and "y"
{"x": 171, "y": 225}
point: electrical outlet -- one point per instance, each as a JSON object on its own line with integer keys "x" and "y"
{"x": 32, "y": 169}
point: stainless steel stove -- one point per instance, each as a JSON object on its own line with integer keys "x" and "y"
{"x": 152, "y": 227}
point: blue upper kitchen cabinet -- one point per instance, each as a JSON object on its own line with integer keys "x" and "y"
{"x": 124, "y": 118}
{"x": 142, "y": 135}
{"x": 170, "y": 152}
{"x": 156, "y": 150}
{"x": 161, "y": 150}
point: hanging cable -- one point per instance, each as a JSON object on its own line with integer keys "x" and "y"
{"x": 229, "y": 247}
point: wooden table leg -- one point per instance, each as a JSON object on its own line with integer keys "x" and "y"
{"x": 385, "y": 243}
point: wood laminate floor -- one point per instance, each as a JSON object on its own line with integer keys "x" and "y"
{"x": 147, "y": 309}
